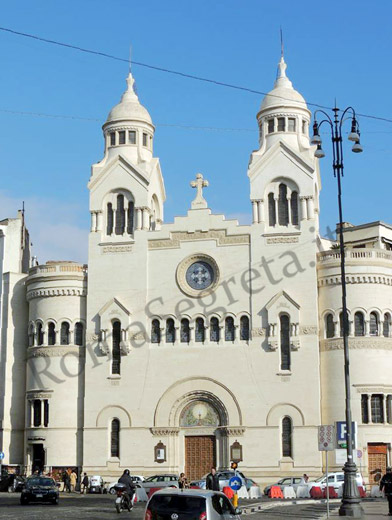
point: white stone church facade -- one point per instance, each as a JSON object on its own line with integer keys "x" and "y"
{"x": 189, "y": 343}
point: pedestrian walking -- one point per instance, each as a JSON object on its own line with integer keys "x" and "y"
{"x": 183, "y": 481}
{"x": 306, "y": 478}
{"x": 72, "y": 478}
{"x": 84, "y": 484}
{"x": 212, "y": 480}
{"x": 386, "y": 486}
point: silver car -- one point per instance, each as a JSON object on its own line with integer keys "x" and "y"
{"x": 160, "y": 481}
{"x": 190, "y": 504}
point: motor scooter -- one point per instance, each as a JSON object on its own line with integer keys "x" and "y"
{"x": 123, "y": 501}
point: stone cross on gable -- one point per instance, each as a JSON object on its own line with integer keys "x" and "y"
{"x": 200, "y": 183}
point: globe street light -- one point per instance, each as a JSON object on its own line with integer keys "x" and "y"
{"x": 351, "y": 505}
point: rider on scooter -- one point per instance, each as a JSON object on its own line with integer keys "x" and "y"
{"x": 130, "y": 487}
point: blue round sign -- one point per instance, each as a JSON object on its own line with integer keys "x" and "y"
{"x": 1, "y": 455}
{"x": 235, "y": 483}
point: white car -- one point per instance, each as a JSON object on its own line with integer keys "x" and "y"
{"x": 334, "y": 479}
{"x": 137, "y": 479}
{"x": 96, "y": 484}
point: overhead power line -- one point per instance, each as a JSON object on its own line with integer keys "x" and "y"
{"x": 176, "y": 72}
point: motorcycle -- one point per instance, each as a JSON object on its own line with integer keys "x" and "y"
{"x": 123, "y": 501}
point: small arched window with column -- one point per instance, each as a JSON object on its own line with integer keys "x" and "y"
{"x": 40, "y": 334}
{"x": 386, "y": 328}
{"x": 120, "y": 215}
{"x": 244, "y": 328}
{"x": 287, "y": 437}
{"x": 329, "y": 326}
{"x": 294, "y": 208}
{"x": 116, "y": 352}
{"x": 115, "y": 438}
{"x": 285, "y": 361}
{"x": 229, "y": 329}
{"x": 78, "y": 333}
{"x": 109, "y": 218}
{"x": 373, "y": 324}
{"x": 283, "y": 206}
{"x": 51, "y": 333}
{"x": 64, "y": 333}
{"x": 271, "y": 210}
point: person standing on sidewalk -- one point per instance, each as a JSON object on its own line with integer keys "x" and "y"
{"x": 212, "y": 480}
{"x": 84, "y": 484}
{"x": 386, "y": 486}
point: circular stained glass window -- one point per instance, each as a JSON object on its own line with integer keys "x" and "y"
{"x": 199, "y": 275}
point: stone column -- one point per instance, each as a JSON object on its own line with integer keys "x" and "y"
{"x": 254, "y": 212}
{"x": 99, "y": 221}
{"x": 276, "y": 202}
{"x": 71, "y": 337}
{"x": 138, "y": 223}
{"x": 146, "y": 218}
{"x": 93, "y": 222}
{"x": 369, "y": 407}
{"x": 310, "y": 207}
{"x": 260, "y": 210}
{"x": 304, "y": 213}
{"x": 367, "y": 328}
{"x": 289, "y": 210}
{"x": 384, "y": 408}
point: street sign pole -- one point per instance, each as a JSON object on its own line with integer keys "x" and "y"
{"x": 326, "y": 442}
{"x": 1, "y": 463}
{"x": 326, "y": 468}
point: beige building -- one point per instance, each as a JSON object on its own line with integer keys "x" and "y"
{"x": 192, "y": 343}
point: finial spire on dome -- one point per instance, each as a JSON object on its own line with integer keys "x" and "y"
{"x": 281, "y": 43}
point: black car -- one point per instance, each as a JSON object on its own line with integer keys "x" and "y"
{"x": 40, "y": 489}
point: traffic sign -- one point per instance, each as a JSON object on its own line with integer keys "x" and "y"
{"x": 2, "y": 455}
{"x": 359, "y": 454}
{"x": 341, "y": 434}
{"x": 326, "y": 437}
{"x": 235, "y": 483}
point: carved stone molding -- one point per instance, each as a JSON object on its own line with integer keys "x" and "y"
{"x": 164, "y": 431}
{"x": 233, "y": 431}
{"x": 259, "y": 332}
{"x": 282, "y": 240}
{"x": 295, "y": 344}
{"x": 374, "y": 389}
{"x": 91, "y": 337}
{"x": 39, "y": 394}
{"x": 308, "y": 330}
{"x": 137, "y": 336}
{"x": 55, "y": 351}
{"x": 371, "y": 343}
{"x": 46, "y": 293}
{"x": 220, "y": 235}
{"x": 116, "y": 249}
{"x": 361, "y": 279}
{"x": 273, "y": 344}
{"x": 125, "y": 348}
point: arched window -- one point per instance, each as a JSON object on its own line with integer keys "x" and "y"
{"x": 40, "y": 334}
{"x": 37, "y": 412}
{"x": 214, "y": 330}
{"x": 341, "y": 324}
{"x": 31, "y": 335}
{"x": 294, "y": 208}
{"x": 116, "y": 353}
{"x": 115, "y": 438}
{"x": 185, "y": 331}
{"x": 131, "y": 208}
{"x": 329, "y": 326}
{"x": 244, "y": 328}
{"x": 78, "y": 333}
{"x": 170, "y": 331}
{"x": 271, "y": 210}
{"x": 64, "y": 333}
{"x": 109, "y": 216}
{"x": 155, "y": 331}
{"x": 287, "y": 435}
{"x": 283, "y": 206}
{"x": 285, "y": 342}
{"x": 373, "y": 324}
{"x": 51, "y": 334}
{"x": 386, "y": 329}
{"x": 200, "y": 331}
{"x": 120, "y": 215}
{"x": 229, "y": 329}
{"x": 359, "y": 324}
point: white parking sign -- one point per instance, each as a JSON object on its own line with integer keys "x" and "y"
{"x": 326, "y": 437}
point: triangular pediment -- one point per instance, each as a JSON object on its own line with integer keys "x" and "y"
{"x": 281, "y": 297}
{"x": 278, "y": 151}
{"x": 114, "y": 305}
{"x": 141, "y": 176}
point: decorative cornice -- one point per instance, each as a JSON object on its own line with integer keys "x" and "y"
{"x": 39, "y": 394}
{"x": 116, "y": 249}
{"x": 362, "y": 278}
{"x": 47, "y": 293}
{"x": 371, "y": 343}
{"x": 164, "y": 431}
{"x": 233, "y": 431}
{"x": 220, "y": 235}
{"x": 282, "y": 240}
{"x": 33, "y": 352}
{"x": 373, "y": 389}
{"x": 308, "y": 330}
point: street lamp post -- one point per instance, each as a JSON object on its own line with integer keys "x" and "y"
{"x": 351, "y": 505}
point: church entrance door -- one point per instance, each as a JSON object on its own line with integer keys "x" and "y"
{"x": 200, "y": 455}
{"x": 38, "y": 457}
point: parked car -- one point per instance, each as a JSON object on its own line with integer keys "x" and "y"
{"x": 96, "y": 485}
{"x": 40, "y": 489}
{"x": 224, "y": 477}
{"x": 334, "y": 479}
{"x": 190, "y": 504}
{"x": 137, "y": 479}
{"x": 160, "y": 481}
{"x": 294, "y": 482}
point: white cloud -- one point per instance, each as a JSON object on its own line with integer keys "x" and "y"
{"x": 55, "y": 228}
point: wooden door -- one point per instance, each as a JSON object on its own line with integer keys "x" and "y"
{"x": 377, "y": 462}
{"x": 199, "y": 456}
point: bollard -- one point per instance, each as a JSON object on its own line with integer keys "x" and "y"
{"x": 235, "y": 500}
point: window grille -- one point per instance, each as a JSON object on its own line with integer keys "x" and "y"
{"x": 330, "y": 326}
{"x": 359, "y": 324}
{"x": 170, "y": 331}
{"x": 287, "y": 431}
{"x": 120, "y": 215}
{"x": 285, "y": 343}
{"x": 131, "y": 212}
{"x": 229, "y": 329}
{"x": 132, "y": 137}
{"x": 51, "y": 334}
{"x": 115, "y": 438}
{"x": 109, "y": 224}
{"x": 155, "y": 331}
{"x": 244, "y": 328}
{"x": 373, "y": 325}
{"x": 185, "y": 331}
{"x": 200, "y": 330}
{"x": 386, "y": 329}
{"x": 78, "y": 334}
{"x": 214, "y": 330}
{"x": 283, "y": 206}
{"x": 294, "y": 208}
{"x": 116, "y": 353}
{"x": 64, "y": 333}
{"x": 271, "y": 210}
{"x": 376, "y": 403}
{"x": 40, "y": 334}
{"x": 364, "y": 408}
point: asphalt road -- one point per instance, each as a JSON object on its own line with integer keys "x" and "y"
{"x": 101, "y": 507}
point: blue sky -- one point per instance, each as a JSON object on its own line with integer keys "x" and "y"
{"x": 333, "y": 49}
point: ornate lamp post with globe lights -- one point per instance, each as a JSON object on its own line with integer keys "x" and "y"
{"x": 351, "y": 501}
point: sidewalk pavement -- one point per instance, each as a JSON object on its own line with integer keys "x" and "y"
{"x": 375, "y": 509}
